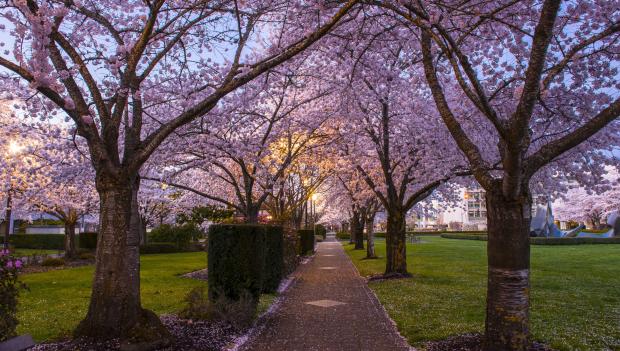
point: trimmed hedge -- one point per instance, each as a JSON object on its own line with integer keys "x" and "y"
{"x": 465, "y": 236}
{"x": 343, "y": 235}
{"x": 542, "y": 241}
{"x": 321, "y": 231}
{"x": 181, "y": 235}
{"x": 382, "y": 234}
{"x": 236, "y": 262}
{"x": 156, "y": 248}
{"x": 38, "y": 241}
{"x": 274, "y": 258}
{"x": 573, "y": 241}
{"x": 306, "y": 241}
{"x": 88, "y": 240}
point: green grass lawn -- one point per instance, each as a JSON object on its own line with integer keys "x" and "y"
{"x": 58, "y": 300}
{"x": 575, "y": 295}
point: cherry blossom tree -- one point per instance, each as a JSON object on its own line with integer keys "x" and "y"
{"x": 127, "y": 74}
{"x": 587, "y": 205}
{"x": 526, "y": 87}
{"x": 252, "y": 139}
{"x": 290, "y": 197}
{"x": 391, "y": 132}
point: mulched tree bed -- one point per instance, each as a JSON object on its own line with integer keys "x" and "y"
{"x": 471, "y": 342}
{"x": 189, "y": 335}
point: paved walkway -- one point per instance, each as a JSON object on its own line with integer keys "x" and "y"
{"x": 330, "y": 307}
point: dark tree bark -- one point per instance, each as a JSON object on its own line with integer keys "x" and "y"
{"x": 143, "y": 233}
{"x": 252, "y": 214}
{"x": 115, "y": 308}
{"x": 507, "y": 314}
{"x": 396, "y": 249}
{"x": 359, "y": 229}
{"x": 70, "y": 247}
{"x": 370, "y": 235}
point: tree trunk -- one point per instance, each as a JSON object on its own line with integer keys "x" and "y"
{"x": 70, "y": 247}
{"x": 143, "y": 233}
{"x": 252, "y": 215}
{"x": 370, "y": 237}
{"x": 359, "y": 230}
{"x": 352, "y": 229}
{"x": 508, "y": 248}
{"x": 115, "y": 310}
{"x": 396, "y": 250}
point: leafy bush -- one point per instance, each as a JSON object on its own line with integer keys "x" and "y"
{"x": 86, "y": 256}
{"x": 9, "y": 291}
{"x": 321, "y": 231}
{"x": 291, "y": 250}
{"x": 466, "y": 232}
{"x": 541, "y": 241}
{"x": 197, "y": 304}
{"x": 240, "y": 312}
{"x": 573, "y": 241}
{"x": 180, "y": 235}
{"x": 38, "y": 241}
{"x": 415, "y": 233}
{"x": 88, "y": 240}
{"x": 53, "y": 262}
{"x": 200, "y": 214}
{"x": 465, "y": 236}
{"x": 342, "y": 235}
{"x": 306, "y": 241}
{"x": 274, "y": 258}
{"x": 156, "y": 248}
{"x": 236, "y": 264}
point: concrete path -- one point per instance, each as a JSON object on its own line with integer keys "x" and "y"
{"x": 330, "y": 307}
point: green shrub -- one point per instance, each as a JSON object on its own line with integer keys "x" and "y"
{"x": 88, "y": 240}
{"x": 239, "y": 313}
{"x": 465, "y": 236}
{"x": 306, "y": 241}
{"x": 342, "y": 235}
{"x": 38, "y": 241}
{"x": 321, "y": 231}
{"x": 573, "y": 241}
{"x": 197, "y": 304}
{"x": 382, "y": 234}
{"x": 86, "y": 256}
{"x": 180, "y": 235}
{"x": 53, "y": 262}
{"x": 236, "y": 263}
{"x": 542, "y": 241}
{"x": 9, "y": 292}
{"x": 465, "y": 232}
{"x": 156, "y": 248}
{"x": 274, "y": 258}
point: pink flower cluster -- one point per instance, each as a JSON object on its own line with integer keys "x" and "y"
{"x": 9, "y": 262}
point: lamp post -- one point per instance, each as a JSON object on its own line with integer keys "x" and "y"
{"x": 14, "y": 149}
{"x": 8, "y": 219}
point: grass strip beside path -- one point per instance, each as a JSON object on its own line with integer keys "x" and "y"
{"x": 575, "y": 300}
{"x": 57, "y": 300}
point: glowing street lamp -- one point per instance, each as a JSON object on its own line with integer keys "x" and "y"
{"x": 15, "y": 148}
